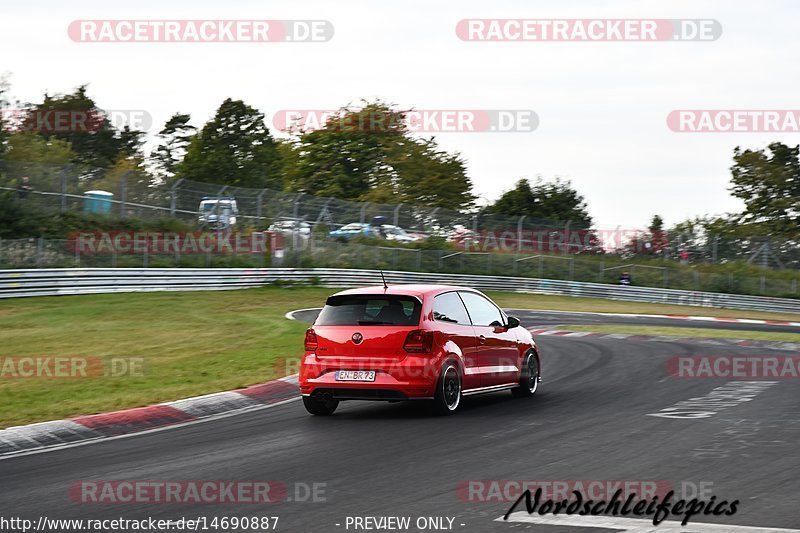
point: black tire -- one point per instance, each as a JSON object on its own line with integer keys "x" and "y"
{"x": 448, "y": 390}
{"x": 528, "y": 378}
{"x": 320, "y": 407}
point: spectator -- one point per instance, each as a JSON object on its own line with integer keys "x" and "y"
{"x": 24, "y": 187}
{"x": 684, "y": 256}
{"x": 625, "y": 279}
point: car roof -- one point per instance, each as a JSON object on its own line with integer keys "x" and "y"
{"x": 406, "y": 290}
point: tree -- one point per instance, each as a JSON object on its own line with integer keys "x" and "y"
{"x": 4, "y": 125}
{"x": 234, "y": 148}
{"x": 347, "y": 158}
{"x": 768, "y": 182}
{"x": 659, "y": 240}
{"x": 653, "y": 242}
{"x": 174, "y": 139}
{"x": 127, "y": 177}
{"x": 554, "y": 201}
{"x": 28, "y": 154}
{"x": 96, "y": 143}
{"x": 32, "y": 148}
{"x": 366, "y": 153}
{"x": 429, "y": 176}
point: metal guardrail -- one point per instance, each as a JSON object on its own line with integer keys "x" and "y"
{"x": 50, "y": 282}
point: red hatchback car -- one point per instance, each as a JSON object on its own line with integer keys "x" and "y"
{"x": 409, "y": 342}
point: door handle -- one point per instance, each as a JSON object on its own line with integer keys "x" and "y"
{"x": 481, "y": 339}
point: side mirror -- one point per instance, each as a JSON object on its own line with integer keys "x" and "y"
{"x": 513, "y": 322}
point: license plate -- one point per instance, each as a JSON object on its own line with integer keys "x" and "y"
{"x": 355, "y": 375}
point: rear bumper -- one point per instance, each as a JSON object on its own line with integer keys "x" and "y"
{"x": 362, "y": 393}
{"x": 414, "y": 377}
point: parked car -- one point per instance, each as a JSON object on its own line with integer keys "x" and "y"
{"x": 353, "y": 230}
{"x": 398, "y": 234}
{"x": 411, "y": 342}
{"x": 218, "y": 212}
{"x": 290, "y": 227}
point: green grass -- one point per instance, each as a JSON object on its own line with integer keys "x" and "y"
{"x": 686, "y": 332}
{"x": 192, "y": 342}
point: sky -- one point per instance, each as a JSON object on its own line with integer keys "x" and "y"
{"x": 602, "y": 106}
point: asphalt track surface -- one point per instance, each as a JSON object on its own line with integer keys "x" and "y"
{"x": 587, "y": 422}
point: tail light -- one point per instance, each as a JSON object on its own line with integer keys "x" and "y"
{"x": 311, "y": 340}
{"x": 419, "y": 341}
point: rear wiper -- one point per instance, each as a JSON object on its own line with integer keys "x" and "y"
{"x": 374, "y": 323}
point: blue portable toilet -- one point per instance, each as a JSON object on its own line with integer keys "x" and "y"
{"x": 97, "y": 202}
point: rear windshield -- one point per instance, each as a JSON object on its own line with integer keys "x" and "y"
{"x": 369, "y": 310}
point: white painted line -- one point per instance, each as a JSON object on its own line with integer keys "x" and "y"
{"x": 732, "y": 394}
{"x": 290, "y": 314}
{"x": 636, "y": 525}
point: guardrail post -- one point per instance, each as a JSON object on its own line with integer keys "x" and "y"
{"x": 144, "y": 257}
{"x": 113, "y": 257}
{"x": 763, "y": 284}
{"x": 541, "y": 266}
{"x": 572, "y": 268}
{"x": 519, "y": 233}
{"x": 666, "y": 278}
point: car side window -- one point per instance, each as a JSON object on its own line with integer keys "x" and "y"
{"x": 448, "y": 307}
{"x": 482, "y": 311}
